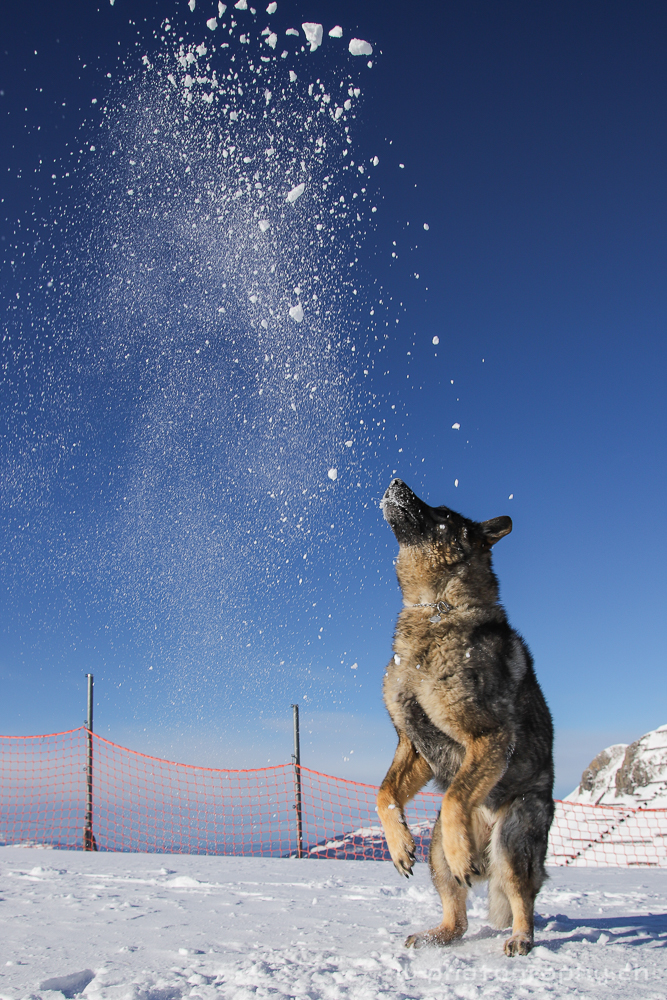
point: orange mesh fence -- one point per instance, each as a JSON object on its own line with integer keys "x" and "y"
{"x": 591, "y": 836}
{"x": 135, "y": 802}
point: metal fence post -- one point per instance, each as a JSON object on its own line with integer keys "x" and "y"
{"x": 89, "y": 842}
{"x": 296, "y": 757}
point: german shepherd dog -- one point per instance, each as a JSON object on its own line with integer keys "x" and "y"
{"x": 469, "y": 712}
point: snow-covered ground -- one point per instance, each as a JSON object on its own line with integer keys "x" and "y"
{"x": 163, "y": 927}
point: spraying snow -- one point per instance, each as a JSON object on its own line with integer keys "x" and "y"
{"x": 212, "y": 334}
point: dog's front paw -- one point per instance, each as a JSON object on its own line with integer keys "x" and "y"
{"x": 458, "y": 852}
{"x": 402, "y": 848}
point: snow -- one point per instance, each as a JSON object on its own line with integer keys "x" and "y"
{"x": 436, "y": 340}
{"x": 358, "y": 47}
{"x": 70, "y": 985}
{"x": 191, "y": 4}
{"x": 333, "y": 474}
{"x": 241, "y": 5}
{"x": 336, "y": 32}
{"x": 456, "y": 427}
{"x": 313, "y": 33}
{"x": 212, "y": 23}
{"x": 222, "y": 7}
{"x": 263, "y": 224}
{"x": 295, "y": 193}
{"x": 426, "y": 226}
{"x": 224, "y": 928}
{"x": 296, "y": 312}
{"x": 272, "y": 8}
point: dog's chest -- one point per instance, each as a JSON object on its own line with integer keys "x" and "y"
{"x": 418, "y": 681}
{"x": 426, "y": 665}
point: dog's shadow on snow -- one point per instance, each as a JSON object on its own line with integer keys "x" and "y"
{"x": 649, "y": 928}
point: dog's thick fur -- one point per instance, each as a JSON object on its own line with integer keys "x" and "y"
{"x": 467, "y": 707}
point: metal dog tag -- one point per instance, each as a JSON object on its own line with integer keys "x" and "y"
{"x": 435, "y": 618}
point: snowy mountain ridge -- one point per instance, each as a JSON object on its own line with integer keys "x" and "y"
{"x": 633, "y": 774}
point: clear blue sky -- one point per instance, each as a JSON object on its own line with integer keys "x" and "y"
{"x": 140, "y": 539}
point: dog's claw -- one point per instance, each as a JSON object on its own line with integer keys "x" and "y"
{"x": 403, "y": 869}
{"x": 468, "y": 882}
{"x": 457, "y": 879}
{"x": 474, "y": 869}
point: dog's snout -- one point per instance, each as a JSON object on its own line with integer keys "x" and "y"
{"x": 396, "y": 486}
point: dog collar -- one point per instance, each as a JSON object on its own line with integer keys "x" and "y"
{"x": 441, "y": 608}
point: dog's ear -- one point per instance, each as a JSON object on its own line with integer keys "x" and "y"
{"x": 496, "y": 528}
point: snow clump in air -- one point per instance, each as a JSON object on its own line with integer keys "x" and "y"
{"x": 212, "y": 23}
{"x": 436, "y": 340}
{"x": 296, "y": 312}
{"x": 272, "y": 8}
{"x": 456, "y": 427}
{"x": 358, "y": 47}
{"x": 295, "y": 193}
{"x": 332, "y": 474}
{"x": 313, "y": 33}
{"x": 426, "y": 226}
{"x": 336, "y": 32}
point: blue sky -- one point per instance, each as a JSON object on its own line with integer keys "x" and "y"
{"x": 145, "y": 535}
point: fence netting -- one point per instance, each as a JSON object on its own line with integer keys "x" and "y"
{"x": 76, "y": 789}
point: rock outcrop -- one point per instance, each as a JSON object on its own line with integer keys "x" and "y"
{"x": 632, "y": 774}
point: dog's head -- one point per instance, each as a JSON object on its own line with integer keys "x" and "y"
{"x": 442, "y": 554}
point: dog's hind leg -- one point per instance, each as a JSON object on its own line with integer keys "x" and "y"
{"x": 408, "y": 773}
{"x": 500, "y": 911}
{"x": 517, "y": 851}
{"x": 452, "y": 896}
